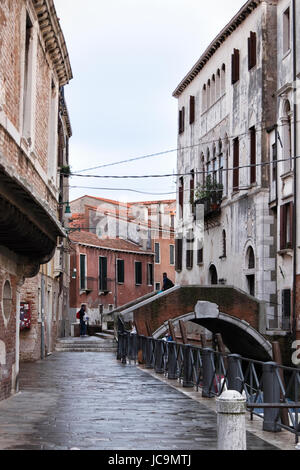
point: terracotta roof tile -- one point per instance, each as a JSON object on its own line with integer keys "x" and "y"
{"x": 89, "y": 238}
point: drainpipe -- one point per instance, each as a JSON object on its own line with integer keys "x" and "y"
{"x": 116, "y": 292}
{"x": 294, "y": 324}
{"x": 42, "y": 316}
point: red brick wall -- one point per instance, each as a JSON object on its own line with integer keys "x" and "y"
{"x": 30, "y": 340}
{"x": 10, "y": 57}
{"x": 183, "y": 301}
{"x": 8, "y": 336}
{"x": 125, "y": 292}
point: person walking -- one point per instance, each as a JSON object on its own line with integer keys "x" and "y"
{"x": 82, "y": 313}
{"x": 167, "y": 283}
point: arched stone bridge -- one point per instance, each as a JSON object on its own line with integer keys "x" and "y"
{"x": 239, "y": 317}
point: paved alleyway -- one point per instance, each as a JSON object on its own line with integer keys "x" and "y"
{"x": 91, "y": 401}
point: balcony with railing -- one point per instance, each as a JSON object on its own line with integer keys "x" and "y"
{"x": 210, "y": 195}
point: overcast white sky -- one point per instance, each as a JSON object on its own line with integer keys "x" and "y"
{"x": 127, "y": 58}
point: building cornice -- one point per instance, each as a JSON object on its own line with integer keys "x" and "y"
{"x": 119, "y": 250}
{"x": 54, "y": 39}
{"x": 239, "y": 18}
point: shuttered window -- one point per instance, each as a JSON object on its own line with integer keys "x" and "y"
{"x": 286, "y": 226}
{"x": 120, "y": 271}
{"x": 235, "y": 66}
{"x": 82, "y": 272}
{"x": 192, "y": 191}
{"x": 236, "y": 163}
{"x": 138, "y": 273}
{"x": 178, "y": 254}
{"x": 181, "y": 120}
{"x": 286, "y": 309}
{"x": 252, "y": 50}
{"x": 200, "y": 255}
{"x": 172, "y": 255}
{"x": 150, "y": 274}
{"x": 102, "y": 274}
{"x": 157, "y": 253}
{"x": 192, "y": 109}
{"x": 252, "y": 155}
{"x": 181, "y": 197}
{"x": 189, "y": 259}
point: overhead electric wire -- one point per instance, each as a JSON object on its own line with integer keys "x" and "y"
{"x": 121, "y": 189}
{"x": 196, "y": 172}
{"x": 165, "y": 152}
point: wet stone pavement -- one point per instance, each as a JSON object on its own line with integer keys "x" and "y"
{"x": 91, "y": 401}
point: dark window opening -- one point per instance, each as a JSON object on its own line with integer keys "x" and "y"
{"x": 252, "y": 155}
{"x": 235, "y": 66}
{"x": 286, "y": 226}
{"x": 200, "y": 255}
{"x": 213, "y": 275}
{"x": 120, "y": 271}
{"x": 178, "y": 254}
{"x": 224, "y": 248}
{"x": 252, "y": 50}
{"x": 181, "y": 121}
{"x": 192, "y": 109}
{"x": 102, "y": 274}
{"x": 150, "y": 274}
{"x": 189, "y": 259}
{"x": 157, "y": 253}
{"x": 286, "y": 309}
{"x": 138, "y": 273}
{"x": 251, "y": 258}
{"x": 251, "y": 284}
{"x": 181, "y": 197}
{"x": 172, "y": 255}
{"x": 236, "y": 163}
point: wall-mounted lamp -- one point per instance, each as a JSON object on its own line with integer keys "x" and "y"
{"x": 74, "y": 273}
{"x": 68, "y": 213}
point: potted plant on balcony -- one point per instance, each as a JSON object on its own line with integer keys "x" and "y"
{"x": 209, "y": 194}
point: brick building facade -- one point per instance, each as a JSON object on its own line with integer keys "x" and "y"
{"x": 34, "y": 65}
{"x": 107, "y": 273}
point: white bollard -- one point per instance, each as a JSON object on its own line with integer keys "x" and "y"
{"x": 231, "y": 422}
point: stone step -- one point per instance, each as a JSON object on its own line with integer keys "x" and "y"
{"x": 113, "y": 350}
{"x": 104, "y": 335}
{"x": 109, "y": 332}
{"x": 105, "y": 344}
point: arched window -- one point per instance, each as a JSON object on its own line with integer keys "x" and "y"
{"x": 221, "y": 162}
{"x": 204, "y": 98}
{"x": 7, "y": 299}
{"x": 215, "y": 164}
{"x": 202, "y": 169}
{"x": 224, "y": 247}
{"x": 250, "y": 258}
{"x": 287, "y": 137}
{"x": 223, "y": 79}
{"x": 218, "y": 84}
{"x": 208, "y": 103}
{"x": 208, "y": 166}
{"x": 213, "y": 89}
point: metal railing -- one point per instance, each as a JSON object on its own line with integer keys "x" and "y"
{"x": 272, "y": 391}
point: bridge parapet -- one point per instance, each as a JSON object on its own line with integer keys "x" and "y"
{"x": 223, "y": 309}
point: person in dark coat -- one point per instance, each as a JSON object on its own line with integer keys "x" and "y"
{"x": 167, "y": 283}
{"x": 82, "y": 313}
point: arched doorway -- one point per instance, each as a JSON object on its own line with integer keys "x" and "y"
{"x": 213, "y": 275}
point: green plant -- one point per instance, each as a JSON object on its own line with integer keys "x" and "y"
{"x": 65, "y": 170}
{"x": 211, "y": 190}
